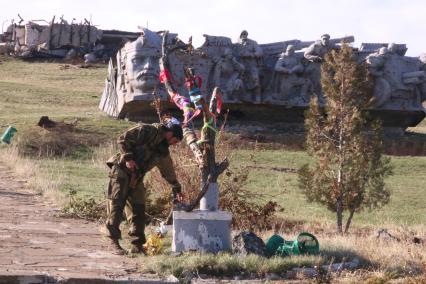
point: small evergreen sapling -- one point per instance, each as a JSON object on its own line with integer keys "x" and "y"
{"x": 348, "y": 171}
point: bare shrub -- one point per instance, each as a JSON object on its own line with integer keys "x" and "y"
{"x": 250, "y": 210}
{"x": 84, "y": 208}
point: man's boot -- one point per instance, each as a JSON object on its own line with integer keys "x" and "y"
{"x": 137, "y": 247}
{"x": 115, "y": 247}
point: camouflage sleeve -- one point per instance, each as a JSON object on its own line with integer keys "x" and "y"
{"x": 130, "y": 139}
{"x": 165, "y": 165}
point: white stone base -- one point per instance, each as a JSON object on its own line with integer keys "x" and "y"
{"x": 206, "y": 231}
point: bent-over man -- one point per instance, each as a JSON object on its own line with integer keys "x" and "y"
{"x": 142, "y": 148}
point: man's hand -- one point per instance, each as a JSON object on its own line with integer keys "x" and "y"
{"x": 131, "y": 165}
{"x": 179, "y": 197}
{"x": 200, "y": 160}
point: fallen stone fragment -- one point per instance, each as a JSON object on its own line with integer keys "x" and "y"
{"x": 248, "y": 243}
{"x": 172, "y": 279}
{"x": 272, "y": 277}
{"x": 383, "y": 234}
{"x": 307, "y": 272}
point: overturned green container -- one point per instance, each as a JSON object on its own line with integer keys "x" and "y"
{"x": 273, "y": 244}
{"x": 8, "y": 134}
{"x": 305, "y": 243}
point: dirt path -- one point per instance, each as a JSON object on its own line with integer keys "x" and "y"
{"x": 33, "y": 241}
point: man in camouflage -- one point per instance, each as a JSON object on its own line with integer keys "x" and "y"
{"x": 142, "y": 148}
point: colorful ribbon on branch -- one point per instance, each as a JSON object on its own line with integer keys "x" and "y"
{"x": 184, "y": 104}
{"x": 209, "y": 124}
{"x": 165, "y": 76}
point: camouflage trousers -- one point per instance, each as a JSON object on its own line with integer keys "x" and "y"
{"x": 131, "y": 201}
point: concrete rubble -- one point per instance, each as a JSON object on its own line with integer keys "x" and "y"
{"x": 59, "y": 38}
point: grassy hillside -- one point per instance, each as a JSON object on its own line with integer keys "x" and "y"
{"x": 30, "y": 90}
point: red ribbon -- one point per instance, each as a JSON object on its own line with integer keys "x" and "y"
{"x": 165, "y": 76}
{"x": 192, "y": 82}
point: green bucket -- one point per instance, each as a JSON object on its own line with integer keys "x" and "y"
{"x": 305, "y": 243}
{"x": 8, "y": 134}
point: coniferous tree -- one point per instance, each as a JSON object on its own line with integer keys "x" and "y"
{"x": 348, "y": 170}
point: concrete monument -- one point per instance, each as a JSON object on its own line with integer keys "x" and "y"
{"x": 293, "y": 86}
{"x": 250, "y": 54}
{"x": 228, "y": 76}
{"x": 140, "y": 65}
{"x": 260, "y": 82}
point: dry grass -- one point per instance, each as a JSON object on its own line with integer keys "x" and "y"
{"x": 62, "y": 142}
{"x": 380, "y": 261}
{"x": 401, "y": 258}
{"x": 46, "y": 183}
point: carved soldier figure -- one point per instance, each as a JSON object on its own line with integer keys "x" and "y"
{"x": 227, "y": 76}
{"x": 290, "y": 68}
{"x": 392, "y": 48}
{"x": 376, "y": 65}
{"x": 250, "y": 54}
{"x": 315, "y": 53}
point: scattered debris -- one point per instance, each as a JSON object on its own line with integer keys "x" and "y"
{"x": 384, "y": 235}
{"x": 78, "y": 66}
{"x": 418, "y": 241}
{"x": 48, "y": 124}
{"x": 61, "y": 39}
{"x": 8, "y": 134}
{"x": 272, "y": 277}
{"x": 248, "y": 243}
{"x": 275, "y": 169}
{"x": 172, "y": 279}
{"x": 311, "y": 272}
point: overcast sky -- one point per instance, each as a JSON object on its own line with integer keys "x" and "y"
{"x": 266, "y": 20}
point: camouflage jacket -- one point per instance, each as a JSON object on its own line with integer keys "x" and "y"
{"x": 147, "y": 146}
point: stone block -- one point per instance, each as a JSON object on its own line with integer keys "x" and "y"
{"x": 205, "y": 231}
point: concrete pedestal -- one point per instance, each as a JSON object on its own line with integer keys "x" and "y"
{"x": 210, "y": 201}
{"x": 201, "y": 230}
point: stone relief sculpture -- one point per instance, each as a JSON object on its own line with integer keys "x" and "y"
{"x": 398, "y": 80}
{"x": 315, "y": 54}
{"x": 256, "y": 77}
{"x": 293, "y": 87}
{"x": 376, "y": 65}
{"x": 228, "y": 76}
{"x": 250, "y": 55}
{"x": 317, "y": 50}
{"x": 141, "y": 67}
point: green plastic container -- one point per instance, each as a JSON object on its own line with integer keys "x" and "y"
{"x": 8, "y": 134}
{"x": 305, "y": 243}
{"x": 273, "y": 244}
